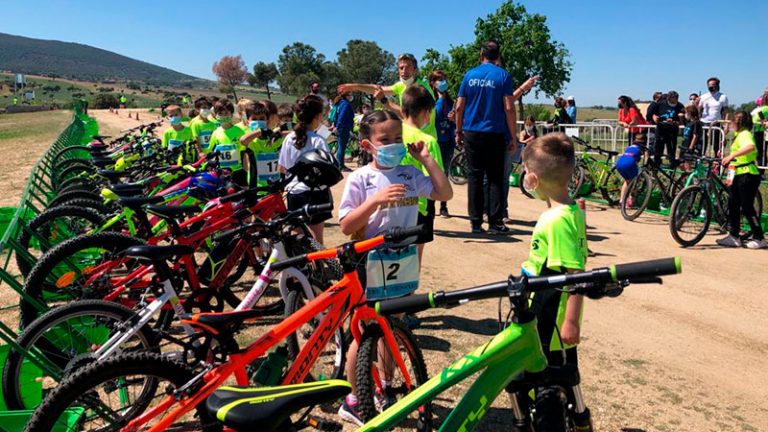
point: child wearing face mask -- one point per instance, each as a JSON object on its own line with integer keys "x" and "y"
{"x": 178, "y": 137}
{"x": 201, "y": 126}
{"x": 558, "y": 245}
{"x": 446, "y": 127}
{"x": 259, "y": 142}
{"x": 226, "y": 140}
{"x": 382, "y": 195}
{"x": 242, "y": 107}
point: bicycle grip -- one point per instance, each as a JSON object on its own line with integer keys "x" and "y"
{"x": 313, "y": 209}
{"x": 646, "y": 269}
{"x": 408, "y": 304}
{"x": 398, "y": 234}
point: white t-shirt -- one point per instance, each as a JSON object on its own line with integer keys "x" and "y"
{"x": 289, "y": 154}
{"x": 712, "y": 107}
{"x": 364, "y": 182}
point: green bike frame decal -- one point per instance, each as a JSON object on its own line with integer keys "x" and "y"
{"x": 516, "y": 349}
{"x": 613, "y": 273}
{"x": 678, "y": 265}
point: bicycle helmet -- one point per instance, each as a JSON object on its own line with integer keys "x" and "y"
{"x": 317, "y": 169}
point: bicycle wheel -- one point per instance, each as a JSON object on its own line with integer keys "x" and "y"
{"x": 457, "y": 171}
{"x": 638, "y": 194}
{"x": 521, "y": 185}
{"x": 65, "y": 336}
{"x": 374, "y": 362}
{"x": 55, "y": 225}
{"x": 330, "y": 361}
{"x": 610, "y": 189}
{"x": 74, "y": 171}
{"x": 690, "y": 216}
{"x": 62, "y": 272}
{"x": 63, "y": 198}
{"x": 574, "y": 184}
{"x": 115, "y": 391}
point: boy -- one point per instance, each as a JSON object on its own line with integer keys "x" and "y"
{"x": 242, "y": 107}
{"x": 558, "y": 245}
{"x": 382, "y": 195}
{"x": 178, "y": 138}
{"x": 201, "y": 126}
{"x": 417, "y": 108}
{"x": 259, "y": 142}
{"x": 226, "y": 140}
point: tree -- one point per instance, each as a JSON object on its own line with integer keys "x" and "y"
{"x": 299, "y": 65}
{"x": 365, "y": 62}
{"x": 105, "y": 100}
{"x": 231, "y": 72}
{"x": 263, "y": 74}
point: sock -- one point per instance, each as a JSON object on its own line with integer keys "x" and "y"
{"x": 351, "y": 399}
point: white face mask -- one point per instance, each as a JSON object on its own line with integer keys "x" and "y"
{"x": 408, "y": 81}
{"x": 205, "y": 112}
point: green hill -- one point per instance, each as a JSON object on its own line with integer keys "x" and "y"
{"x": 82, "y": 62}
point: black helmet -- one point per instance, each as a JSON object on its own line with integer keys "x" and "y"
{"x": 316, "y": 169}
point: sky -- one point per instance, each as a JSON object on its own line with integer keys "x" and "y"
{"x": 617, "y": 47}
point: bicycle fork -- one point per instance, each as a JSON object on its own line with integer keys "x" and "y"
{"x": 580, "y": 416}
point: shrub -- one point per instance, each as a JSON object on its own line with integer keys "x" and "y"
{"x": 105, "y": 100}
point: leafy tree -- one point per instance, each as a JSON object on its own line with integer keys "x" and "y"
{"x": 105, "y": 100}
{"x": 231, "y": 72}
{"x": 263, "y": 74}
{"x": 299, "y": 65}
{"x": 366, "y": 62}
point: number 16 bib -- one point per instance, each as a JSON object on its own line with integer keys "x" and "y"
{"x": 392, "y": 272}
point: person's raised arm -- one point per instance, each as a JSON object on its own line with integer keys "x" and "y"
{"x": 526, "y": 87}
{"x": 357, "y": 219}
{"x": 363, "y": 88}
{"x": 442, "y": 187}
{"x": 250, "y": 136}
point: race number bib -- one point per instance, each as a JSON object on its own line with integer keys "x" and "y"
{"x": 266, "y": 167}
{"x": 173, "y": 144}
{"x": 205, "y": 140}
{"x": 392, "y": 272}
{"x": 229, "y": 156}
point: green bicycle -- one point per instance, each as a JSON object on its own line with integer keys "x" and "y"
{"x": 652, "y": 177}
{"x": 598, "y": 174}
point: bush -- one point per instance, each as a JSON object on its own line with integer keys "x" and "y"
{"x": 105, "y": 100}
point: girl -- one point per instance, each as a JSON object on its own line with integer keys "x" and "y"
{"x": 527, "y": 135}
{"x": 630, "y": 116}
{"x": 446, "y": 128}
{"x": 692, "y": 136}
{"x": 745, "y": 182}
{"x": 302, "y": 140}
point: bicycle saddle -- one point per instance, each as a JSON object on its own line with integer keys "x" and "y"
{"x": 172, "y": 212}
{"x": 113, "y": 176}
{"x": 157, "y": 253}
{"x": 136, "y": 203}
{"x": 220, "y": 322}
{"x": 126, "y": 189}
{"x": 268, "y": 409}
{"x": 102, "y": 162}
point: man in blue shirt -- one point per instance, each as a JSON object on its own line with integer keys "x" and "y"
{"x": 345, "y": 119}
{"x": 486, "y": 121}
{"x": 571, "y": 109}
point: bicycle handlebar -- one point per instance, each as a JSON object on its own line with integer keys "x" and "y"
{"x": 638, "y": 271}
{"x": 308, "y": 210}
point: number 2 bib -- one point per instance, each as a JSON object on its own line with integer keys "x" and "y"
{"x": 266, "y": 167}
{"x": 392, "y": 272}
{"x": 230, "y": 156}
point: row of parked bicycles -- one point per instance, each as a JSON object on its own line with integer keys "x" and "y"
{"x": 693, "y": 194}
{"x": 165, "y": 297}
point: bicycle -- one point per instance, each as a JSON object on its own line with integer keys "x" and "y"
{"x": 458, "y": 166}
{"x": 698, "y": 205}
{"x": 187, "y": 388}
{"x": 512, "y": 356}
{"x": 654, "y": 177}
{"x": 600, "y": 174}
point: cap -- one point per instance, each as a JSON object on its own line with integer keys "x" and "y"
{"x": 571, "y": 98}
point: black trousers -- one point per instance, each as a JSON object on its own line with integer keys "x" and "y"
{"x": 760, "y": 143}
{"x": 485, "y": 158}
{"x": 665, "y": 140}
{"x": 741, "y": 201}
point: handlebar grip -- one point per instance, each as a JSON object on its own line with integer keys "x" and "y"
{"x": 296, "y": 261}
{"x": 409, "y": 304}
{"x": 646, "y": 269}
{"x": 398, "y": 234}
{"x": 313, "y": 209}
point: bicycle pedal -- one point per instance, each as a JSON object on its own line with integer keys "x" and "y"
{"x": 323, "y": 425}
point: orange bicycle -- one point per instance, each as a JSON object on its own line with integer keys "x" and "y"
{"x": 151, "y": 392}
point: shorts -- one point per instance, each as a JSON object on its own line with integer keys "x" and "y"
{"x": 627, "y": 167}
{"x": 299, "y": 200}
{"x": 429, "y": 224}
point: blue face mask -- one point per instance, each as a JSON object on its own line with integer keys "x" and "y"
{"x": 257, "y": 124}
{"x": 390, "y": 156}
{"x": 174, "y": 120}
{"x": 442, "y": 86}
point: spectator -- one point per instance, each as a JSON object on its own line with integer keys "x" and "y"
{"x": 667, "y": 117}
{"x": 760, "y": 120}
{"x": 692, "y": 135}
{"x": 630, "y": 117}
{"x": 344, "y": 121}
{"x": 560, "y": 116}
{"x": 485, "y": 113}
{"x": 407, "y": 69}
{"x": 694, "y": 99}
{"x": 571, "y": 109}
{"x": 314, "y": 89}
{"x": 744, "y": 180}
{"x": 657, "y": 96}
{"x": 714, "y": 108}
{"x": 446, "y": 127}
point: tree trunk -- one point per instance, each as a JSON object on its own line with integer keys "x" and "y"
{"x": 234, "y": 93}
{"x": 521, "y": 116}
{"x": 269, "y": 95}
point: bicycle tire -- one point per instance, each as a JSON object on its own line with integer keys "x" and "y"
{"x": 97, "y": 206}
{"x": 83, "y": 153}
{"x": 681, "y": 211}
{"x": 71, "y": 172}
{"x": 38, "y": 224}
{"x": 366, "y": 357}
{"x": 37, "y": 282}
{"x": 639, "y": 192}
{"x": 457, "y": 169}
{"x": 62, "y": 198}
{"x": 574, "y": 184}
{"x": 331, "y": 359}
{"x": 61, "y": 166}
{"x": 74, "y": 391}
{"x": 521, "y": 185}
{"x": 78, "y": 184}
{"x": 610, "y": 188}
{"x": 50, "y": 323}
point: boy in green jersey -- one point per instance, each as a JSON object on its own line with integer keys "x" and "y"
{"x": 178, "y": 138}
{"x": 260, "y": 145}
{"x": 201, "y": 126}
{"x": 226, "y": 140}
{"x": 558, "y": 245}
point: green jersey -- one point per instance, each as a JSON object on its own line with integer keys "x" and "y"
{"x": 558, "y": 244}
{"x": 412, "y": 135}
{"x": 758, "y": 115}
{"x": 745, "y": 164}
{"x": 399, "y": 88}
{"x": 202, "y": 131}
{"x": 227, "y": 142}
{"x": 174, "y": 139}
{"x": 266, "y": 153}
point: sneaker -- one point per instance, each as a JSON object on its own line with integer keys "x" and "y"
{"x": 630, "y": 202}
{"x": 756, "y": 244}
{"x": 411, "y": 322}
{"x": 346, "y": 169}
{"x": 444, "y": 212}
{"x": 507, "y": 220}
{"x": 498, "y": 229}
{"x": 478, "y": 230}
{"x": 383, "y": 400}
{"x": 729, "y": 241}
{"x": 349, "y": 412}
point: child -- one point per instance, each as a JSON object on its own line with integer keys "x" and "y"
{"x": 417, "y": 108}
{"x": 627, "y": 163}
{"x": 303, "y": 139}
{"x": 692, "y": 136}
{"x": 558, "y": 245}
{"x": 242, "y": 107}
{"x": 383, "y": 195}
{"x": 260, "y": 145}
{"x": 226, "y": 140}
{"x": 178, "y": 138}
{"x": 201, "y": 126}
